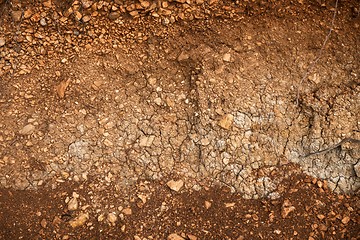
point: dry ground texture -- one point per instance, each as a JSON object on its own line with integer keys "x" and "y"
{"x": 179, "y": 119}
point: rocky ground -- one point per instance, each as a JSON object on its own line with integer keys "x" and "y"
{"x": 183, "y": 119}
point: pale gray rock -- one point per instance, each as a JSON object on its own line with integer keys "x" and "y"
{"x": 78, "y": 149}
{"x": 27, "y": 130}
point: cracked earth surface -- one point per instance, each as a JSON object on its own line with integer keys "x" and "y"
{"x": 216, "y": 100}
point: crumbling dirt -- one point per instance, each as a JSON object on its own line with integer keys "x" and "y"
{"x": 213, "y": 213}
{"x": 121, "y": 118}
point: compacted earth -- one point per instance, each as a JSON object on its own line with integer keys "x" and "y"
{"x": 179, "y": 119}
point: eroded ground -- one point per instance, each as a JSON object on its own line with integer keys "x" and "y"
{"x": 98, "y": 97}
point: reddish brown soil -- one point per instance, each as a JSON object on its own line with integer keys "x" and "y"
{"x": 318, "y": 214}
{"x": 252, "y": 106}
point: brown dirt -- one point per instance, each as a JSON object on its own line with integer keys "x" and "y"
{"x": 318, "y": 214}
{"x": 205, "y": 119}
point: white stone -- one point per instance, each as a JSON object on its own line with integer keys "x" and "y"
{"x": 227, "y": 57}
{"x": 73, "y": 204}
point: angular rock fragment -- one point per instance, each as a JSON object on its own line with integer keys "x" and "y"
{"x": 73, "y": 204}
{"x": 192, "y": 237}
{"x": 61, "y": 88}
{"x": 345, "y": 220}
{"x": 112, "y": 218}
{"x": 174, "y": 236}
{"x": 175, "y": 185}
{"x": 227, "y": 57}
{"x": 86, "y": 18}
{"x": 2, "y": 42}
{"x": 146, "y": 141}
{"x": 144, "y": 4}
{"x": 127, "y": 211}
{"x": 114, "y": 15}
{"x": 226, "y": 121}
{"x": 183, "y": 56}
{"x": 79, "y": 220}
{"x": 27, "y": 130}
{"x": 16, "y": 15}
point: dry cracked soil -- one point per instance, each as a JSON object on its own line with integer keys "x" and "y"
{"x": 179, "y": 119}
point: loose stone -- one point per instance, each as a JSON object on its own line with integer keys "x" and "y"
{"x": 175, "y": 185}
{"x": 27, "y": 130}
{"x": 226, "y": 121}
{"x": 79, "y": 220}
{"x": 174, "y": 236}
